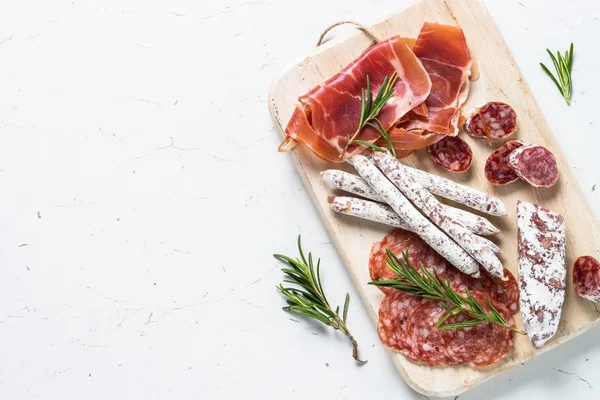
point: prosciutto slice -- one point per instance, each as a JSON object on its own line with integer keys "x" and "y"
{"x": 443, "y": 51}
{"x": 325, "y": 116}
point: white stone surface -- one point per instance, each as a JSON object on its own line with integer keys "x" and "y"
{"x": 142, "y": 198}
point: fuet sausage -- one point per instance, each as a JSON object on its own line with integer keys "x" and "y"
{"x": 431, "y": 207}
{"x": 381, "y": 213}
{"x": 456, "y": 192}
{"x": 350, "y": 183}
{"x": 434, "y": 237}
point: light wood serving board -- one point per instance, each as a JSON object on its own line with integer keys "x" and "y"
{"x": 500, "y": 80}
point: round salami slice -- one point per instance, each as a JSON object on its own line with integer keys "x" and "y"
{"x": 586, "y": 278}
{"x": 497, "y": 168}
{"x": 451, "y": 153}
{"x": 534, "y": 164}
{"x": 494, "y": 120}
{"x": 407, "y": 324}
{"x": 480, "y": 345}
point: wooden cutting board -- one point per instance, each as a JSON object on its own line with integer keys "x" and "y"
{"x": 500, "y": 80}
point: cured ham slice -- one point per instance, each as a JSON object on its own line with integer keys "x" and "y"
{"x": 443, "y": 51}
{"x": 330, "y": 112}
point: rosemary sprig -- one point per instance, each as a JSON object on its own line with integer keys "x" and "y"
{"x": 433, "y": 287}
{"x": 563, "y": 66}
{"x": 309, "y": 300}
{"x": 370, "y": 108}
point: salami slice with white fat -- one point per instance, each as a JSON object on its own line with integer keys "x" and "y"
{"x": 542, "y": 270}
{"x": 394, "y": 313}
{"x": 431, "y": 207}
{"x": 497, "y": 167}
{"x": 494, "y": 120}
{"x": 407, "y": 325}
{"x": 586, "y": 278}
{"x": 350, "y": 183}
{"x": 505, "y": 291}
{"x": 433, "y": 236}
{"x": 481, "y": 345}
{"x": 459, "y": 193}
{"x": 534, "y": 164}
{"x": 451, "y": 153}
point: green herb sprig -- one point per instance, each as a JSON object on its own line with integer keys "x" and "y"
{"x": 309, "y": 299}
{"x": 433, "y": 287}
{"x": 563, "y": 66}
{"x": 369, "y": 109}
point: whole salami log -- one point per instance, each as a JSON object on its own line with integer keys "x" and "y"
{"x": 432, "y": 208}
{"x": 356, "y": 185}
{"x": 497, "y": 167}
{"x": 451, "y": 153}
{"x": 534, "y": 164}
{"x": 586, "y": 278}
{"x": 542, "y": 271}
{"x": 494, "y": 120}
{"x": 459, "y": 193}
{"x": 505, "y": 292}
{"x": 438, "y": 240}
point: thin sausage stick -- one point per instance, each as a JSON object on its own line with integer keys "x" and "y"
{"x": 432, "y": 208}
{"x": 434, "y": 237}
{"x": 356, "y": 185}
{"x": 456, "y": 192}
{"x": 378, "y": 212}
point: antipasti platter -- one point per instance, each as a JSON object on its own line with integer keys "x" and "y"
{"x": 430, "y": 163}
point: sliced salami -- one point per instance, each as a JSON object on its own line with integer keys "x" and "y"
{"x": 497, "y": 167}
{"x": 534, "y": 164}
{"x": 407, "y": 324}
{"x": 542, "y": 270}
{"x": 586, "y": 278}
{"x": 481, "y": 345}
{"x": 505, "y": 291}
{"x": 451, "y": 153}
{"x": 494, "y": 120}
{"x": 394, "y": 313}
{"x": 426, "y": 342}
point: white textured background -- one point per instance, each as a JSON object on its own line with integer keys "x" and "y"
{"x": 142, "y": 196}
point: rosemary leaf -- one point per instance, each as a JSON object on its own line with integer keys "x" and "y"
{"x": 308, "y": 299}
{"x": 432, "y": 286}
{"x": 370, "y": 108}
{"x": 563, "y": 66}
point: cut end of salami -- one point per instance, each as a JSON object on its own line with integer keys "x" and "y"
{"x": 451, "y": 153}
{"x": 534, "y": 164}
{"x": 586, "y": 278}
{"x": 494, "y": 120}
{"x": 497, "y": 167}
